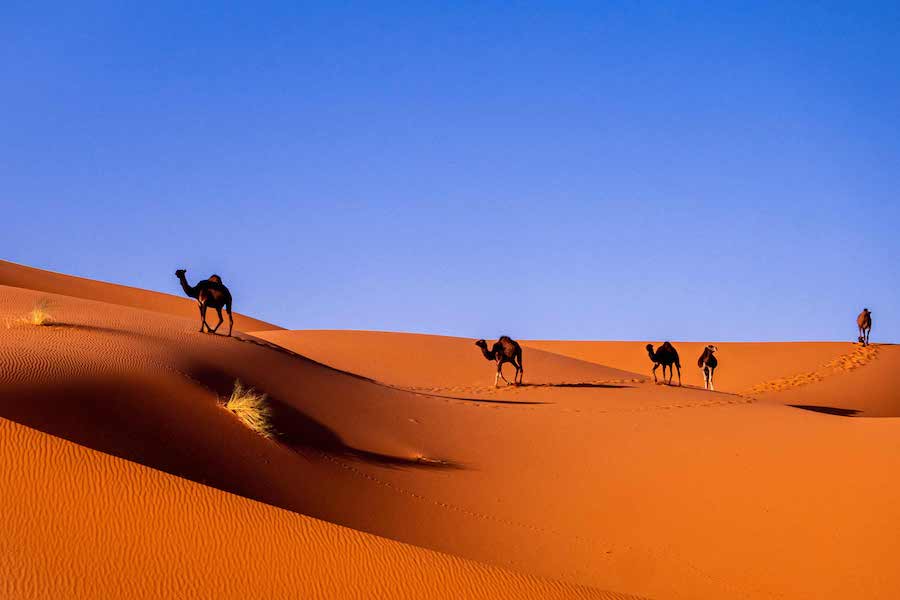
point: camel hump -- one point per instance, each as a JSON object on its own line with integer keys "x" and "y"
{"x": 864, "y": 319}
{"x": 215, "y": 279}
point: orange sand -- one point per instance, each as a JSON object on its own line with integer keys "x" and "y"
{"x": 14, "y": 275}
{"x": 591, "y": 479}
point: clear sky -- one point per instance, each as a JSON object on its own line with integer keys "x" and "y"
{"x": 653, "y": 170}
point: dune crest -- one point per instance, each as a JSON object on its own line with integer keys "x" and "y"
{"x": 21, "y": 276}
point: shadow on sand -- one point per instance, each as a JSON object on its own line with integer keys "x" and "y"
{"x": 302, "y": 433}
{"x": 828, "y": 410}
{"x": 577, "y": 385}
{"x": 471, "y": 399}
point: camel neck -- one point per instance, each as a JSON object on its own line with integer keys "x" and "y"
{"x": 190, "y": 291}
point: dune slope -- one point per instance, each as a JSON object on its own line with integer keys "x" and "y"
{"x": 82, "y": 524}
{"x": 741, "y": 364}
{"x": 434, "y": 362}
{"x": 20, "y": 276}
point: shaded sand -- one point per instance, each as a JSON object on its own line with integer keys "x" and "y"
{"x": 14, "y": 275}
{"x": 656, "y": 491}
{"x": 82, "y": 524}
{"x": 742, "y": 365}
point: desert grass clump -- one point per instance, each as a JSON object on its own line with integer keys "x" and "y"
{"x": 251, "y": 408}
{"x": 38, "y": 316}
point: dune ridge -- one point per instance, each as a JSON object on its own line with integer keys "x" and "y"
{"x": 21, "y": 276}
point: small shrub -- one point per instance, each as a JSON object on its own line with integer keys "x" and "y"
{"x": 39, "y": 315}
{"x": 251, "y": 408}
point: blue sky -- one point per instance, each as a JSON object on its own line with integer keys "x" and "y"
{"x": 545, "y": 170}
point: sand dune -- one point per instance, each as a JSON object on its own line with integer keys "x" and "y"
{"x": 433, "y": 362}
{"x": 864, "y": 382}
{"x": 82, "y": 524}
{"x": 20, "y": 276}
{"x": 741, "y": 364}
{"x": 812, "y": 374}
{"x": 650, "y": 490}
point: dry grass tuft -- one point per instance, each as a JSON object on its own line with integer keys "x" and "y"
{"x": 251, "y": 408}
{"x": 39, "y": 315}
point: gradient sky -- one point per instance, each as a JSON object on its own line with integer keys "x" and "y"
{"x": 645, "y": 171}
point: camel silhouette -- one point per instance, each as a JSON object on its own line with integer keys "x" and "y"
{"x": 666, "y": 356}
{"x": 209, "y": 293}
{"x": 504, "y": 350}
{"x": 708, "y": 363}
{"x": 864, "y": 321}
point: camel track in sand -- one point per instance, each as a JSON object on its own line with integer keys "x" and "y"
{"x": 859, "y": 357}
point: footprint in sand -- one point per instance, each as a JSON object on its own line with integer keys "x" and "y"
{"x": 860, "y": 356}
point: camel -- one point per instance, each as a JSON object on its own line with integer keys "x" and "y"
{"x": 864, "y": 321}
{"x": 210, "y": 293}
{"x": 505, "y": 350}
{"x": 708, "y": 363}
{"x": 666, "y": 356}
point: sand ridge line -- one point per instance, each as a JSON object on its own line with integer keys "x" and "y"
{"x": 859, "y": 357}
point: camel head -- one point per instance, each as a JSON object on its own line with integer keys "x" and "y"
{"x": 488, "y": 354}
{"x": 712, "y": 349}
{"x": 649, "y": 347}
{"x": 180, "y": 273}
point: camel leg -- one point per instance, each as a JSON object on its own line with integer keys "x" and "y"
{"x": 500, "y": 371}
{"x": 679, "y": 374}
{"x": 230, "y": 319}
{"x": 712, "y": 387}
{"x": 653, "y": 372}
{"x": 216, "y": 328}
{"x": 203, "y": 317}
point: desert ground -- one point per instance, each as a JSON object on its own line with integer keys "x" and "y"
{"x": 398, "y": 470}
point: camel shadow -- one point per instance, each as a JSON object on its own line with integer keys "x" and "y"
{"x": 476, "y": 400}
{"x": 577, "y": 385}
{"x": 828, "y": 410}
